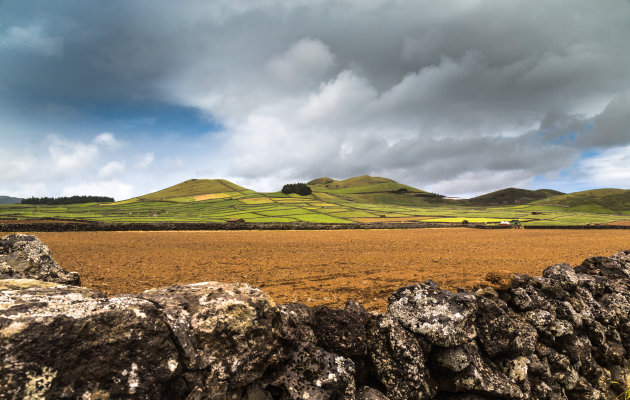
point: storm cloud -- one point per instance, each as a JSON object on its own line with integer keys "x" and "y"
{"x": 455, "y": 97}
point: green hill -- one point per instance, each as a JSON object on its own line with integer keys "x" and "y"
{"x": 512, "y": 196}
{"x": 356, "y": 182}
{"x": 372, "y": 189}
{"x": 9, "y": 200}
{"x": 197, "y": 187}
{"x": 592, "y": 201}
{"x": 362, "y": 199}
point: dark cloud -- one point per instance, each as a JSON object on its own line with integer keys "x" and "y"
{"x": 438, "y": 94}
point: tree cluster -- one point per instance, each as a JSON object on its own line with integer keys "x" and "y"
{"x": 67, "y": 200}
{"x": 300, "y": 188}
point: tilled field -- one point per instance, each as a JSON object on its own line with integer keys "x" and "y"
{"x": 320, "y": 267}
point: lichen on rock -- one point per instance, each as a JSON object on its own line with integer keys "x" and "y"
{"x": 25, "y": 256}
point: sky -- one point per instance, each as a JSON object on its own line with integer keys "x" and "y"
{"x": 460, "y": 97}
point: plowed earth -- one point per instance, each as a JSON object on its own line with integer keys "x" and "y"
{"x": 320, "y": 267}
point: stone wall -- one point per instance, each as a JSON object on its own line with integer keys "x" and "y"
{"x": 565, "y": 335}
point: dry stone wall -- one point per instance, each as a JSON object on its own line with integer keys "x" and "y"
{"x": 564, "y": 335}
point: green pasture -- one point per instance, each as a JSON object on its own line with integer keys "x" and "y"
{"x": 280, "y": 208}
{"x": 339, "y": 202}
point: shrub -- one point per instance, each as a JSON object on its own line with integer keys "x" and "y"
{"x": 300, "y": 188}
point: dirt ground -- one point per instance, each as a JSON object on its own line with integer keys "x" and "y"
{"x": 320, "y": 267}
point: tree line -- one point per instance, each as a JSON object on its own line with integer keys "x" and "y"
{"x": 67, "y": 200}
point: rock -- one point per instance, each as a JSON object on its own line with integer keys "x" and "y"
{"x": 368, "y": 393}
{"x": 313, "y": 373}
{"x": 19, "y": 284}
{"x": 228, "y": 335}
{"x": 25, "y": 256}
{"x": 563, "y": 274}
{"x": 603, "y": 266}
{"x": 341, "y": 331}
{"x": 453, "y": 359}
{"x": 496, "y": 331}
{"x": 72, "y": 342}
{"x": 480, "y": 377}
{"x": 445, "y": 319}
{"x": 296, "y": 320}
{"x": 400, "y": 360}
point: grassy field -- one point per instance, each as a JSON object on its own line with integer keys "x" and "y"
{"x": 360, "y": 199}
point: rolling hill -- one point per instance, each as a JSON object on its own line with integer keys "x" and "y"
{"x": 363, "y": 199}
{"x": 370, "y": 189}
{"x": 512, "y": 196}
{"x": 604, "y": 201}
{"x": 187, "y": 190}
{"x": 10, "y": 200}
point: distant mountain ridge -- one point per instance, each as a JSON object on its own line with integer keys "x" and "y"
{"x": 592, "y": 201}
{"x": 512, "y": 196}
{"x": 10, "y": 200}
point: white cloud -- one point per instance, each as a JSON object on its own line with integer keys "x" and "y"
{"x": 146, "y": 160}
{"x": 17, "y": 165}
{"x": 611, "y": 168}
{"x": 25, "y": 190}
{"x": 32, "y": 39}
{"x": 111, "y": 188}
{"x": 306, "y": 62}
{"x": 108, "y": 140}
{"x": 339, "y": 101}
{"x": 111, "y": 169}
{"x": 173, "y": 162}
{"x": 70, "y": 156}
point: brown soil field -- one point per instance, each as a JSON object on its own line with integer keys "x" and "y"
{"x": 320, "y": 267}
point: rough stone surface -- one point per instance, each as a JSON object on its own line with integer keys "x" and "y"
{"x": 72, "y": 342}
{"x": 563, "y": 335}
{"x": 443, "y": 318}
{"x": 313, "y": 373}
{"x": 368, "y": 393}
{"x": 400, "y": 358}
{"x": 25, "y": 256}
{"x": 341, "y": 331}
{"x": 227, "y": 334}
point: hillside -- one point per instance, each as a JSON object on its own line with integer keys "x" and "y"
{"x": 362, "y": 199}
{"x": 10, "y": 200}
{"x": 371, "y": 189}
{"x": 197, "y": 187}
{"x": 512, "y": 196}
{"x": 355, "y": 182}
{"x": 592, "y": 201}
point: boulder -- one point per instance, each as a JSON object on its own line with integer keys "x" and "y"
{"x": 25, "y": 256}
{"x": 341, "y": 331}
{"x": 443, "y": 318}
{"x": 72, "y": 342}
{"x": 400, "y": 359}
{"x": 227, "y": 334}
